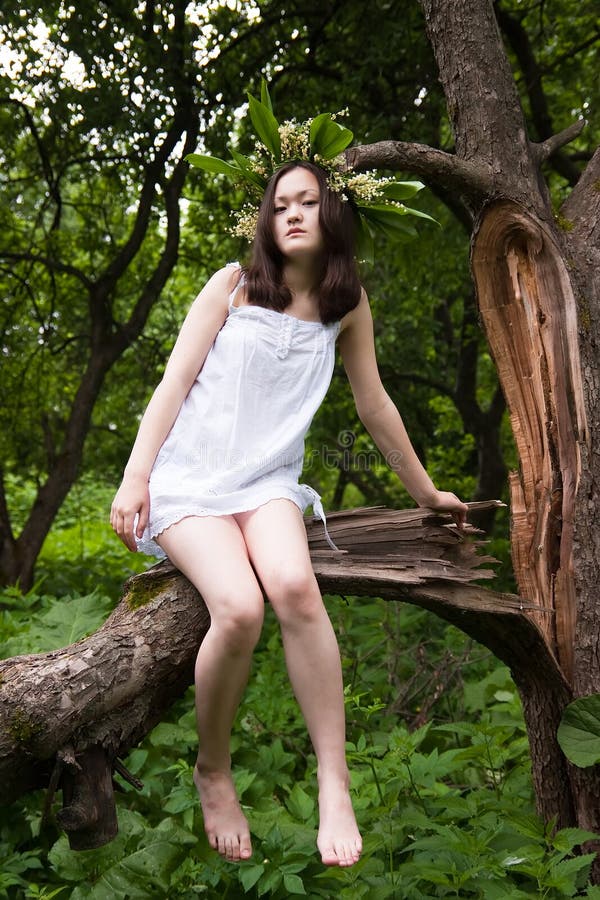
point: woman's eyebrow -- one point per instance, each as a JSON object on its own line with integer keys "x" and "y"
{"x": 283, "y": 197}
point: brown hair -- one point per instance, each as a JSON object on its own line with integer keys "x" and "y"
{"x": 339, "y": 287}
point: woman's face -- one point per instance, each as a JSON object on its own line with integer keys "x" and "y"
{"x": 296, "y": 227}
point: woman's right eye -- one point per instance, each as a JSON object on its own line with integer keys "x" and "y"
{"x": 279, "y": 209}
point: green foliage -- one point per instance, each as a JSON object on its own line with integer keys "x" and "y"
{"x": 328, "y": 138}
{"x": 89, "y": 92}
{"x": 82, "y": 549}
{"x": 440, "y": 778}
{"x": 137, "y": 864}
{"x": 51, "y": 622}
{"x": 579, "y": 731}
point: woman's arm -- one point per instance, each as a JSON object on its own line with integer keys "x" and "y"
{"x": 380, "y": 416}
{"x": 198, "y": 332}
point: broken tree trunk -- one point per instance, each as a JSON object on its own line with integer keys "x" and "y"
{"x": 66, "y": 717}
{"x": 536, "y": 277}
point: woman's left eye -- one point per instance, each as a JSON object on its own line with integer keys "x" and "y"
{"x": 310, "y": 202}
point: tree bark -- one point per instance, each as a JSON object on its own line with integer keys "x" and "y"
{"x": 536, "y": 277}
{"x": 534, "y": 280}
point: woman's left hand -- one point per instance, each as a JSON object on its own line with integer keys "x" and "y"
{"x": 445, "y": 501}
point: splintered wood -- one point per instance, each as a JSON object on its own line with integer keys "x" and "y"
{"x": 410, "y": 546}
{"x": 529, "y": 314}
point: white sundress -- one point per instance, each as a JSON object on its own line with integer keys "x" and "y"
{"x": 238, "y": 439}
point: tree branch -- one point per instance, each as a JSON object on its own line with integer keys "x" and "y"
{"x": 43, "y": 155}
{"x": 488, "y": 122}
{"x": 518, "y": 39}
{"x": 153, "y": 173}
{"x": 551, "y": 145}
{"x": 434, "y": 166}
{"x": 168, "y": 258}
{"x": 5, "y": 524}
{"x": 51, "y": 263}
{"x": 512, "y": 28}
{"x": 390, "y": 374}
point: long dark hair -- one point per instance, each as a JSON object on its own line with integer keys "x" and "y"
{"x": 339, "y": 287}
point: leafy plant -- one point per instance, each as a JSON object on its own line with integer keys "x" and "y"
{"x": 51, "y": 622}
{"x": 440, "y": 778}
{"x": 136, "y": 864}
{"x": 579, "y": 731}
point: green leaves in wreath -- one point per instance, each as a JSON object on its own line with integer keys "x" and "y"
{"x": 378, "y": 203}
{"x": 387, "y": 220}
{"x": 211, "y": 164}
{"x": 579, "y": 731}
{"x": 402, "y": 190}
{"x": 328, "y": 138}
{"x": 266, "y": 125}
{"x": 240, "y": 167}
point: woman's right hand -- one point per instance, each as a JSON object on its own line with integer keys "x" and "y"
{"x": 131, "y": 500}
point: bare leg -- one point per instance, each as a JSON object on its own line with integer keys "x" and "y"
{"x": 276, "y": 541}
{"x": 211, "y": 552}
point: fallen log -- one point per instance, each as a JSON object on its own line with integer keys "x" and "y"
{"x": 68, "y": 716}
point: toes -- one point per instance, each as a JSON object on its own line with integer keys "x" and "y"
{"x": 343, "y": 855}
{"x": 232, "y": 852}
{"x": 329, "y": 857}
{"x": 355, "y": 850}
{"x": 232, "y": 848}
{"x": 245, "y": 847}
{"x": 212, "y": 840}
{"x": 348, "y": 857}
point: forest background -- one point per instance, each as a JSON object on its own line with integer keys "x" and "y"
{"x": 106, "y": 231}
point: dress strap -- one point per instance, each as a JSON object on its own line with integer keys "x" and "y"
{"x": 239, "y": 284}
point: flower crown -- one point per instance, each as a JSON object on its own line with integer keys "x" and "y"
{"x": 377, "y": 202}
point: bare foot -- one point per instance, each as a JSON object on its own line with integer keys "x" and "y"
{"x": 224, "y": 822}
{"x": 339, "y": 840}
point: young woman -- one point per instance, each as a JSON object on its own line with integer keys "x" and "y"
{"x": 212, "y": 481}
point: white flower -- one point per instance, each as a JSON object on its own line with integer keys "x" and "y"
{"x": 245, "y": 222}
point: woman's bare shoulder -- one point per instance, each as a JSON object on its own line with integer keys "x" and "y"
{"x": 227, "y": 277}
{"x": 220, "y": 286}
{"x": 358, "y": 314}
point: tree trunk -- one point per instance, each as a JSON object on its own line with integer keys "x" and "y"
{"x": 531, "y": 305}
{"x": 536, "y": 276}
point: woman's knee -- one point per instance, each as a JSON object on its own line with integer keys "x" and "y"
{"x": 237, "y": 620}
{"x": 294, "y": 594}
